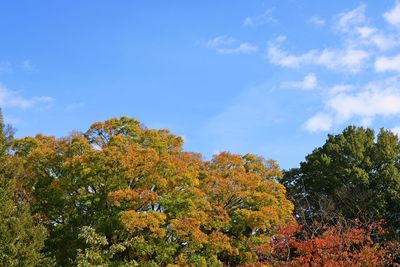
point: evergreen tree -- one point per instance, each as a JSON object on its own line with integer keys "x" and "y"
{"x": 354, "y": 175}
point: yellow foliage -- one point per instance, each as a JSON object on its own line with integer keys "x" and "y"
{"x": 139, "y": 221}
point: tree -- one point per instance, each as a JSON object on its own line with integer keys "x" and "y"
{"x": 248, "y": 205}
{"x": 21, "y": 236}
{"x": 352, "y": 176}
{"x": 121, "y": 194}
{"x": 344, "y": 244}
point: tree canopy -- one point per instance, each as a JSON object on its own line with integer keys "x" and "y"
{"x": 21, "y": 236}
{"x": 124, "y": 194}
{"x": 121, "y": 194}
{"x": 355, "y": 175}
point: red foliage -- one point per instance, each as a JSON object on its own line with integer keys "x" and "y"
{"x": 340, "y": 245}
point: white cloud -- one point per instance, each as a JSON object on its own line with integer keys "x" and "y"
{"x": 262, "y": 19}
{"x": 365, "y": 31}
{"x": 317, "y": 21}
{"x": 372, "y": 36}
{"x": 393, "y": 16}
{"x": 349, "y": 59}
{"x": 361, "y": 46}
{"x": 340, "y": 88}
{"x": 309, "y": 82}
{"x": 365, "y": 104}
{"x": 228, "y": 45}
{"x": 13, "y": 99}
{"x": 359, "y": 33}
{"x": 348, "y": 20}
{"x": 383, "y": 41}
{"x": 219, "y": 41}
{"x": 243, "y": 48}
{"x": 282, "y": 58}
{"x": 345, "y": 103}
{"x": 319, "y": 122}
{"x": 383, "y": 64}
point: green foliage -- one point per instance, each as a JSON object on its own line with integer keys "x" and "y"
{"x": 353, "y": 175}
{"x": 99, "y": 253}
{"x": 21, "y": 237}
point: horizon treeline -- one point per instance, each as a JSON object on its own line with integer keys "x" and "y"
{"x": 121, "y": 194}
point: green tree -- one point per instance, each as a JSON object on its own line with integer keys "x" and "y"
{"x": 21, "y": 237}
{"x": 354, "y": 175}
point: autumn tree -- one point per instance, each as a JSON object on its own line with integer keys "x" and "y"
{"x": 348, "y": 243}
{"x": 177, "y": 209}
{"x": 70, "y": 178}
{"x": 247, "y": 205}
{"x": 124, "y": 195}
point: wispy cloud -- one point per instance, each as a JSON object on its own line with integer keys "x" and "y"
{"x": 319, "y": 122}
{"x": 383, "y": 64}
{"x": 361, "y": 48}
{"x": 372, "y": 36}
{"x": 362, "y": 43}
{"x": 359, "y": 43}
{"x": 344, "y": 103}
{"x": 340, "y": 88}
{"x": 348, "y": 21}
{"x": 243, "y": 48}
{"x": 358, "y": 36}
{"x": 359, "y": 32}
{"x": 219, "y": 41}
{"x": 349, "y": 59}
{"x": 309, "y": 82}
{"x": 317, "y": 21}
{"x": 393, "y": 16}
{"x": 13, "y": 99}
{"x": 264, "y": 18}
{"x": 228, "y": 45}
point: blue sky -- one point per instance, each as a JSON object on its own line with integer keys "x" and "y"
{"x": 267, "y": 77}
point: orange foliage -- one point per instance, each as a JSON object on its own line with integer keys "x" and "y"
{"x": 338, "y": 245}
{"x": 142, "y": 221}
{"x": 140, "y": 189}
